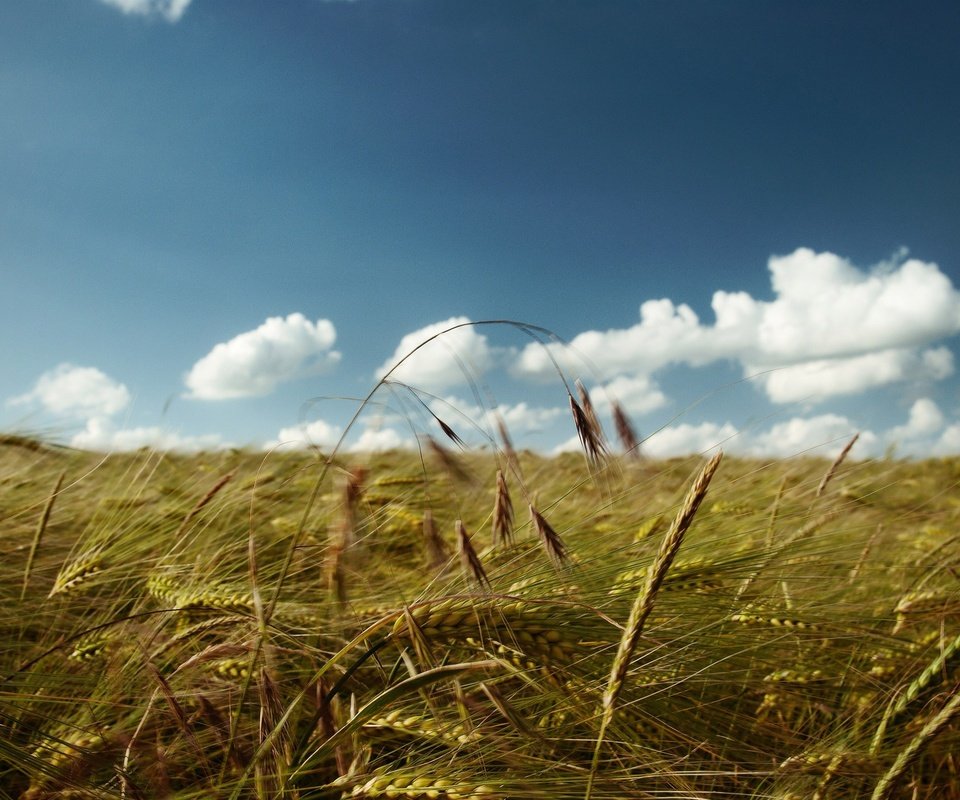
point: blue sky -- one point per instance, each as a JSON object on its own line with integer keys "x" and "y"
{"x": 214, "y": 213}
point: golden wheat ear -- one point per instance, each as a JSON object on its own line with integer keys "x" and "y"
{"x": 502, "y": 513}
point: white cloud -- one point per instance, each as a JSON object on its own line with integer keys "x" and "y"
{"x": 816, "y": 380}
{"x": 948, "y": 444}
{"x": 519, "y": 418}
{"x": 374, "y": 440}
{"x": 313, "y": 434}
{"x": 253, "y": 363}
{"x": 100, "y": 434}
{"x": 76, "y": 392}
{"x": 440, "y": 363}
{"x": 170, "y": 10}
{"x": 825, "y": 311}
{"x": 636, "y": 394}
{"x": 823, "y": 435}
{"x": 925, "y": 420}
{"x": 683, "y": 439}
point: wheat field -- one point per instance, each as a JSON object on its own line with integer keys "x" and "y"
{"x": 457, "y": 624}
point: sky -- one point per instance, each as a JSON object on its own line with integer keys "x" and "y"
{"x": 224, "y": 222}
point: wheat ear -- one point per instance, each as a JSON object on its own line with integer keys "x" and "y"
{"x": 643, "y": 604}
{"x": 468, "y": 557}
{"x": 836, "y": 464}
{"x": 626, "y": 433}
{"x": 911, "y": 752}
{"x": 502, "y": 513}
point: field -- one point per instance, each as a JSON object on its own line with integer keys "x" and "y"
{"x": 249, "y": 625}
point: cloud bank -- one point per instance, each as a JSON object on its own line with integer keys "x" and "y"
{"x": 831, "y": 329}
{"x": 170, "y": 10}
{"x": 252, "y": 364}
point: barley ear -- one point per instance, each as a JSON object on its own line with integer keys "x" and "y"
{"x": 836, "y": 464}
{"x": 590, "y": 413}
{"x": 643, "y": 604}
{"x": 502, "y": 513}
{"x": 549, "y": 538}
{"x": 38, "y": 534}
{"x": 590, "y": 440}
{"x": 907, "y": 756}
{"x": 469, "y": 559}
{"x": 626, "y": 433}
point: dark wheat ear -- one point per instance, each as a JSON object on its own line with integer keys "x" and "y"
{"x": 590, "y": 412}
{"x": 625, "y": 431}
{"x": 590, "y": 440}
{"x": 469, "y": 558}
{"x": 449, "y": 432}
{"x": 502, "y": 513}
{"x": 549, "y": 538}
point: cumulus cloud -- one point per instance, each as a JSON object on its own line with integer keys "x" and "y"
{"x": 170, "y": 10}
{"x": 318, "y": 433}
{"x": 682, "y": 439}
{"x": 925, "y": 433}
{"x": 636, "y": 394}
{"x": 948, "y": 443}
{"x": 375, "y": 440}
{"x": 78, "y": 392}
{"x": 822, "y": 435}
{"x": 816, "y": 380}
{"x": 440, "y": 363}
{"x": 825, "y": 315}
{"x": 101, "y": 434}
{"x": 518, "y": 417}
{"x": 253, "y": 363}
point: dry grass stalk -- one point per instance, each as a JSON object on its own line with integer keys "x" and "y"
{"x": 38, "y": 535}
{"x": 625, "y": 431}
{"x": 549, "y": 538}
{"x": 179, "y": 715}
{"x": 271, "y": 710}
{"x": 775, "y": 511}
{"x": 508, "y": 447}
{"x": 502, "y": 513}
{"x": 865, "y": 554}
{"x": 448, "y": 461}
{"x": 592, "y": 443}
{"x": 836, "y": 464}
{"x": 643, "y": 604}
{"x": 212, "y": 492}
{"x": 469, "y": 559}
{"x": 437, "y": 551}
{"x": 335, "y": 574}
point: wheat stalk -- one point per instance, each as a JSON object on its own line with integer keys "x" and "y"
{"x": 643, "y": 604}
